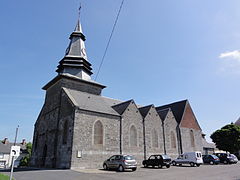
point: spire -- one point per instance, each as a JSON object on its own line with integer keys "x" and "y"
{"x": 75, "y": 60}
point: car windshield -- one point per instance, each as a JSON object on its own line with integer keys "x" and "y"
{"x": 215, "y": 157}
{"x": 165, "y": 156}
{"x": 232, "y": 156}
{"x": 129, "y": 157}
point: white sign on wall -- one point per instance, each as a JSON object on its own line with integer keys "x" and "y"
{"x": 15, "y": 151}
{"x": 79, "y": 154}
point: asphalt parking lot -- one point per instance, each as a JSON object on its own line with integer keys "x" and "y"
{"x": 213, "y": 172}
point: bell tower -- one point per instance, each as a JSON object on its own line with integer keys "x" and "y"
{"x": 75, "y": 61}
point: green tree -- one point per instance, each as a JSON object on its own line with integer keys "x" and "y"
{"x": 25, "y": 160}
{"x": 227, "y": 138}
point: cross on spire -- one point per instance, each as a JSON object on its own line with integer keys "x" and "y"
{"x": 79, "y": 10}
{"x": 75, "y": 61}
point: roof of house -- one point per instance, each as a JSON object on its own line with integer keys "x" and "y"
{"x": 6, "y": 148}
{"x": 176, "y": 107}
{"x": 91, "y": 102}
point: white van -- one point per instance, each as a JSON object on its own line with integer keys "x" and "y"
{"x": 192, "y": 158}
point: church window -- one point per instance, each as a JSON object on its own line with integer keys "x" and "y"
{"x": 173, "y": 140}
{"x": 65, "y": 133}
{"x": 192, "y": 138}
{"x": 98, "y": 133}
{"x": 133, "y": 136}
{"x": 154, "y": 138}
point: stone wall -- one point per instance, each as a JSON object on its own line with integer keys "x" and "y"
{"x": 47, "y": 152}
{"x": 187, "y": 145}
{"x": 92, "y": 156}
{"x": 191, "y": 132}
{"x": 170, "y": 126}
{"x": 132, "y": 117}
{"x": 65, "y": 133}
{"x": 153, "y": 122}
{"x": 81, "y": 86}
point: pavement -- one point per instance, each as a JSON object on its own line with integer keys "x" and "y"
{"x": 204, "y": 172}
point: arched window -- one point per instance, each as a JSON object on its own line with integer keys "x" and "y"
{"x": 173, "y": 140}
{"x": 98, "y": 133}
{"x": 133, "y": 136}
{"x": 154, "y": 138}
{"x": 65, "y": 133}
{"x": 192, "y": 138}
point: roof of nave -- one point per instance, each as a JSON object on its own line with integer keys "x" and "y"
{"x": 144, "y": 110}
{"x": 91, "y": 102}
{"x": 176, "y": 107}
{"x": 163, "y": 113}
{"x": 120, "y": 108}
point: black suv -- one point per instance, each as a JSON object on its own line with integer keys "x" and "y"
{"x": 211, "y": 159}
{"x": 225, "y": 158}
{"x": 157, "y": 160}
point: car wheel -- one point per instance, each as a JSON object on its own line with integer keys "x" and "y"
{"x": 192, "y": 164}
{"x": 211, "y": 162}
{"x": 159, "y": 166}
{"x": 145, "y": 165}
{"x": 168, "y": 166}
{"x": 174, "y": 163}
{"x": 134, "y": 169}
{"x": 120, "y": 168}
{"x": 105, "y": 167}
{"x": 225, "y": 162}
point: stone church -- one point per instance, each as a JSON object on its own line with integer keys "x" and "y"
{"x": 79, "y": 128}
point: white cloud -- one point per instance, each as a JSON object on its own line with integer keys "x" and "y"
{"x": 231, "y": 62}
{"x": 231, "y": 55}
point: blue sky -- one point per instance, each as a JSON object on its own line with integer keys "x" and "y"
{"x": 162, "y": 51}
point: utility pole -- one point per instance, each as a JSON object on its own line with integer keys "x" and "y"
{"x": 12, "y": 164}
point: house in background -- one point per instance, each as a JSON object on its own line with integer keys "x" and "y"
{"x": 208, "y": 148}
{"x": 5, "y": 148}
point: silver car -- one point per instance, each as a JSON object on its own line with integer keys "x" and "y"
{"x": 120, "y": 163}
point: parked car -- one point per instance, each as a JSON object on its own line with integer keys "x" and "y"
{"x": 120, "y": 163}
{"x": 192, "y": 158}
{"x": 225, "y": 158}
{"x": 235, "y": 159}
{"x": 157, "y": 160}
{"x": 211, "y": 159}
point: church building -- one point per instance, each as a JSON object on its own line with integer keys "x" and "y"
{"x": 79, "y": 128}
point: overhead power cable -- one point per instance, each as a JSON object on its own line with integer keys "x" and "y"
{"x": 109, "y": 40}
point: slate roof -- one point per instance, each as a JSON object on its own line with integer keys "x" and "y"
{"x": 177, "y": 109}
{"x": 6, "y": 148}
{"x": 69, "y": 76}
{"x": 75, "y": 57}
{"x": 120, "y": 108}
{"x": 163, "y": 113}
{"x": 144, "y": 110}
{"x": 91, "y": 102}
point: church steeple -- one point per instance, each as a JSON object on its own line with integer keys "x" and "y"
{"x": 75, "y": 60}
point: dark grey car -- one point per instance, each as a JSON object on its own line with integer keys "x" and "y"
{"x": 120, "y": 163}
